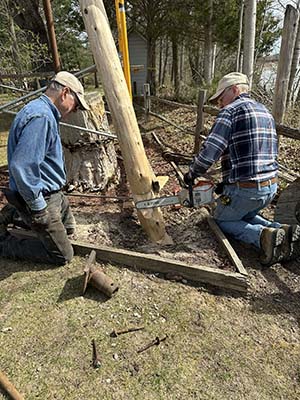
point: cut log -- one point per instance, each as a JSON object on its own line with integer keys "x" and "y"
{"x": 90, "y": 159}
{"x": 139, "y": 173}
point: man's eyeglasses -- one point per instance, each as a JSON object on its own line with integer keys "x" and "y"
{"x": 76, "y": 102}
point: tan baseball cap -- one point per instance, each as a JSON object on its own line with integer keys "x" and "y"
{"x": 69, "y": 80}
{"x": 234, "y": 78}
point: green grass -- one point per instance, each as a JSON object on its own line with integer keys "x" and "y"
{"x": 217, "y": 347}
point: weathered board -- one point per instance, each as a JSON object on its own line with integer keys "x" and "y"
{"x": 288, "y": 205}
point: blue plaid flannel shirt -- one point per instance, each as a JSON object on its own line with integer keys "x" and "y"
{"x": 244, "y": 138}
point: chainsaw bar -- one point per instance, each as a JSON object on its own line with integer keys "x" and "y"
{"x": 201, "y": 193}
{"x": 158, "y": 202}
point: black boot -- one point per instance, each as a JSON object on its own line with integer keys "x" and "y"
{"x": 6, "y": 217}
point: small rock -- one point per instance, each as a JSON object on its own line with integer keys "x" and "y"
{"x": 7, "y": 329}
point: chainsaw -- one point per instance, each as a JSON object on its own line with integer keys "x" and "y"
{"x": 194, "y": 196}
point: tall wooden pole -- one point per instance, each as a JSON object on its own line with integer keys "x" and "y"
{"x": 51, "y": 33}
{"x": 285, "y": 61}
{"x": 139, "y": 173}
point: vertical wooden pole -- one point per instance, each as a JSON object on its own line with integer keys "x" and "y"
{"x": 147, "y": 100}
{"x": 51, "y": 33}
{"x": 284, "y": 64}
{"x": 200, "y": 120}
{"x": 139, "y": 173}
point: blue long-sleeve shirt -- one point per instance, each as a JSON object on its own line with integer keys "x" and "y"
{"x": 244, "y": 138}
{"x": 34, "y": 152}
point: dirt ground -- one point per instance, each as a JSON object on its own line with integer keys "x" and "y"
{"x": 220, "y": 345}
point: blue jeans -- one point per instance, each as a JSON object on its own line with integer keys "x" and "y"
{"x": 240, "y": 217}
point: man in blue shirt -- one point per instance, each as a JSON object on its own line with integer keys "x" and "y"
{"x": 244, "y": 138}
{"x": 37, "y": 175}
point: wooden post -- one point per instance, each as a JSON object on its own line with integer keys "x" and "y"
{"x": 147, "y": 100}
{"x": 200, "y": 120}
{"x": 139, "y": 173}
{"x": 284, "y": 64}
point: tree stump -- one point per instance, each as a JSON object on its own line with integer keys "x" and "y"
{"x": 90, "y": 159}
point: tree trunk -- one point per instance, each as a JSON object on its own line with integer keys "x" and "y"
{"x": 140, "y": 176}
{"x": 15, "y": 48}
{"x": 284, "y": 64}
{"x": 181, "y": 66}
{"x": 249, "y": 38}
{"x": 175, "y": 66}
{"x": 208, "y": 46}
{"x": 151, "y": 66}
{"x": 294, "y": 67}
{"x": 165, "y": 62}
{"x": 160, "y": 61}
{"x": 238, "y": 53}
{"x": 26, "y": 15}
{"x": 90, "y": 160}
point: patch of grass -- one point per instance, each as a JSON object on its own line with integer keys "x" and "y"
{"x": 217, "y": 347}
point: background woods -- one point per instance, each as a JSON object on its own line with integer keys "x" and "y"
{"x": 188, "y": 42}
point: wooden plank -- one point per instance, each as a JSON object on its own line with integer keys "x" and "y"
{"x": 226, "y": 246}
{"x": 140, "y": 261}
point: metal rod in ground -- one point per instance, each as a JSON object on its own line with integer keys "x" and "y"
{"x": 80, "y": 128}
{"x": 116, "y": 332}
{"x": 154, "y": 342}
{"x": 96, "y": 360}
{"x": 13, "y": 103}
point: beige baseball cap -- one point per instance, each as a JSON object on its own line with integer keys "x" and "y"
{"x": 69, "y": 80}
{"x": 234, "y": 78}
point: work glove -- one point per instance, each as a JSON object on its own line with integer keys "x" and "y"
{"x": 189, "y": 178}
{"x": 40, "y": 219}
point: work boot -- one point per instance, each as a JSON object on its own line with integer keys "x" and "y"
{"x": 291, "y": 245}
{"x": 271, "y": 241}
{"x": 6, "y": 217}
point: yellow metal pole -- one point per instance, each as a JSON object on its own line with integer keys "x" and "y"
{"x": 124, "y": 42}
{"x": 119, "y": 29}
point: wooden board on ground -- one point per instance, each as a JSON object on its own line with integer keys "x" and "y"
{"x": 140, "y": 261}
{"x": 226, "y": 246}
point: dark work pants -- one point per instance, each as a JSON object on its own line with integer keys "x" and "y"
{"x": 52, "y": 244}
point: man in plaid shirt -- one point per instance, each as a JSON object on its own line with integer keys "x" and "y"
{"x": 244, "y": 138}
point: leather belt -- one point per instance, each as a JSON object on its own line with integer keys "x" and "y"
{"x": 254, "y": 184}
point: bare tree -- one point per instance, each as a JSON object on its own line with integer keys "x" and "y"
{"x": 249, "y": 38}
{"x": 238, "y": 54}
{"x": 208, "y": 45}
